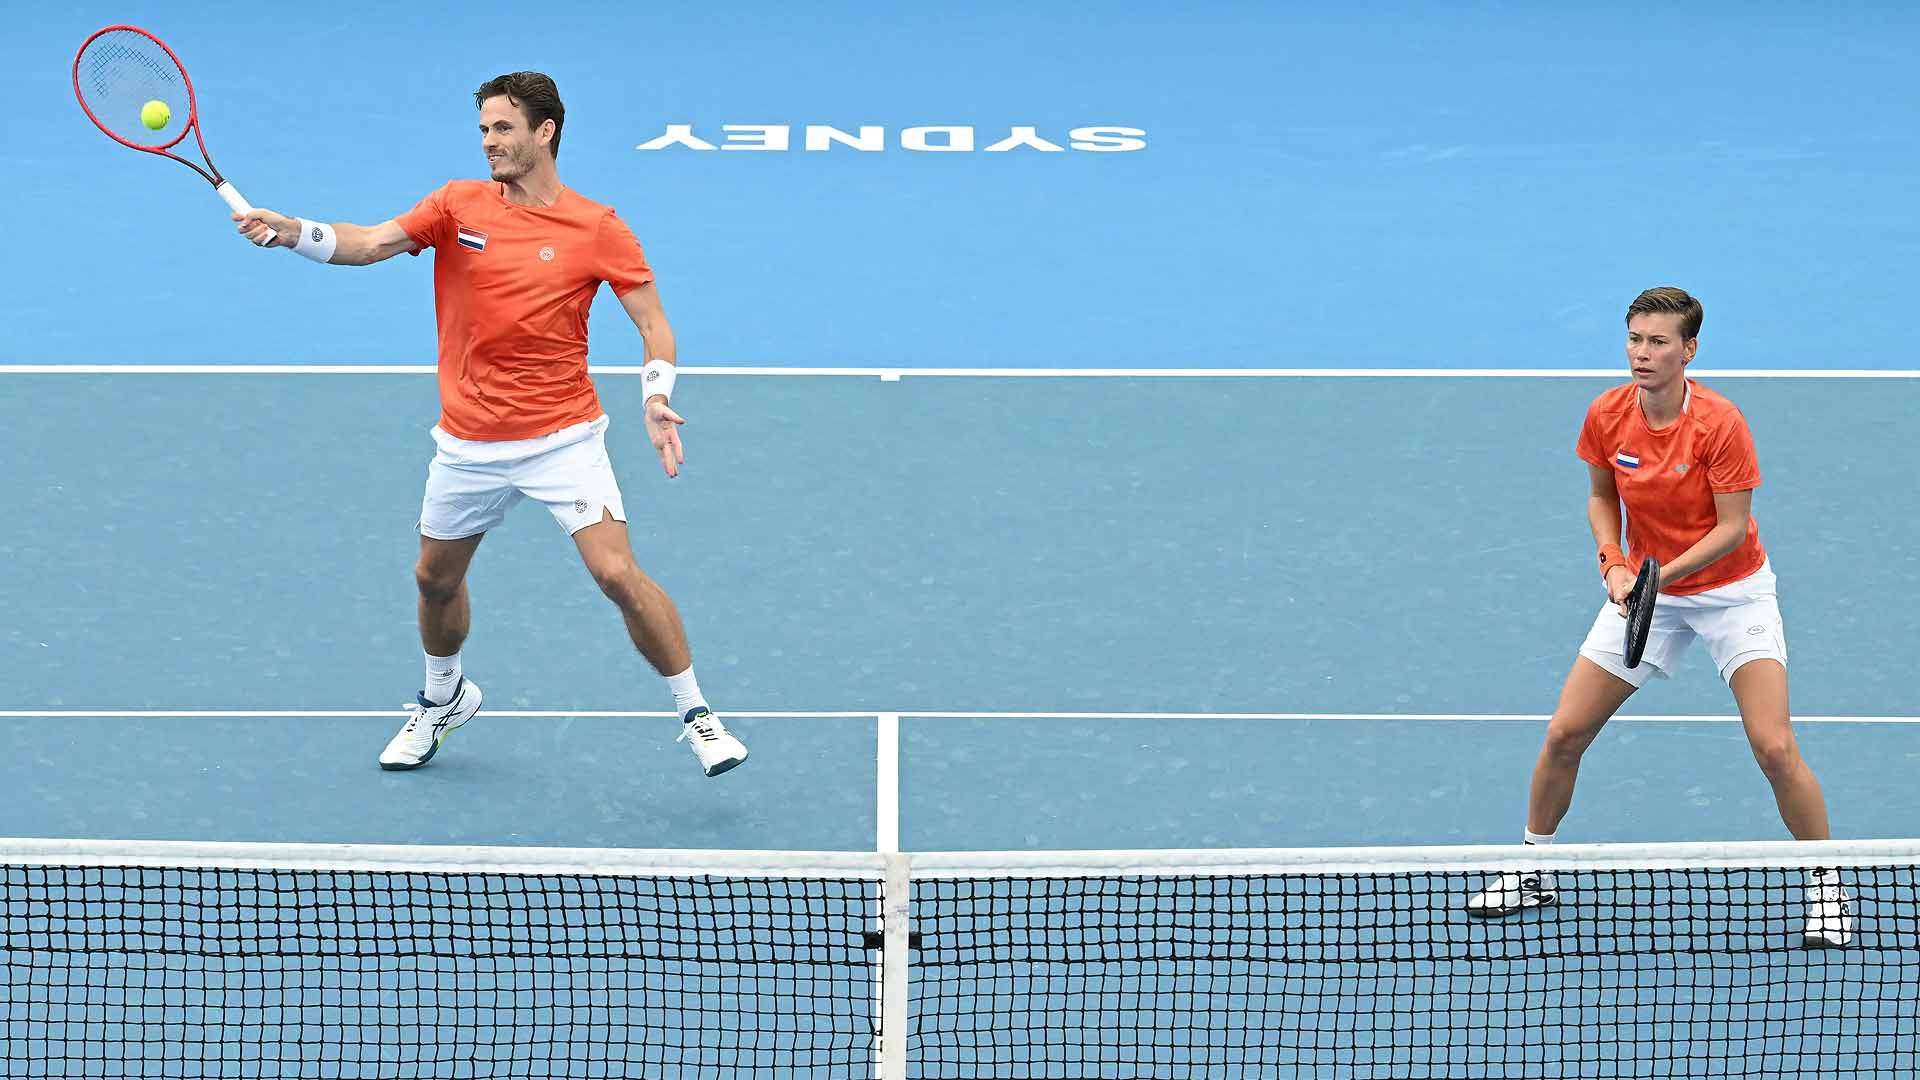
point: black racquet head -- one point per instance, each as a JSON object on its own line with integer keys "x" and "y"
{"x": 1640, "y": 603}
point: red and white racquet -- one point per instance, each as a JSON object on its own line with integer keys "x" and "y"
{"x": 121, "y": 68}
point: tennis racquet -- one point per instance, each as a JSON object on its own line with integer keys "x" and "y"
{"x": 1640, "y": 602}
{"x": 121, "y": 68}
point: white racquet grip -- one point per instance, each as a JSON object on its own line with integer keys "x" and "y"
{"x": 227, "y": 192}
{"x": 239, "y": 205}
{"x": 316, "y": 241}
{"x": 657, "y": 378}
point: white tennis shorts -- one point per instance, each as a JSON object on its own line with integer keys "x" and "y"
{"x": 1739, "y": 621}
{"x": 471, "y": 485}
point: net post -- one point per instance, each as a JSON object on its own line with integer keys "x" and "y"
{"x": 886, "y": 784}
{"x": 890, "y": 982}
{"x": 895, "y": 902}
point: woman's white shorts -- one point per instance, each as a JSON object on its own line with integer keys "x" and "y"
{"x": 1739, "y": 621}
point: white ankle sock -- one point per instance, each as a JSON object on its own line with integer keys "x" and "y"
{"x": 686, "y": 691}
{"x": 443, "y": 678}
{"x": 1542, "y": 839}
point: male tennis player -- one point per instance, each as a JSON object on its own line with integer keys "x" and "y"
{"x": 1682, "y": 460}
{"x": 516, "y": 264}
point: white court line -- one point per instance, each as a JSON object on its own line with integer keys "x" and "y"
{"x": 1425, "y": 717}
{"x": 329, "y": 714}
{"x": 249, "y": 714}
{"x": 895, "y": 374}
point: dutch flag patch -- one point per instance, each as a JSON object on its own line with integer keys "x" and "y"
{"x": 472, "y": 238}
{"x": 1625, "y": 460}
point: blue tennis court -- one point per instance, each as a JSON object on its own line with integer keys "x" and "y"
{"x": 1098, "y": 563}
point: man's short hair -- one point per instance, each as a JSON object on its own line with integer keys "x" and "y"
{"x": 533, "y": 94}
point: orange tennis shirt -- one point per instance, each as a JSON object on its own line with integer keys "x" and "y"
{"x": 1668, "y": 478}
{"x": 511, "y": 289}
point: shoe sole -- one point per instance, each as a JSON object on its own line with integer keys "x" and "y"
{"x": 726, "y": 766}
{"x": 401, "y": 766}
{"x": 1534, "y": 901}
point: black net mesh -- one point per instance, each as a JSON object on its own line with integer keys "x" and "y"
{"x": 146, "y": 972}
{"x": 1632, "y": 973}
{"x": 216, "y": 972}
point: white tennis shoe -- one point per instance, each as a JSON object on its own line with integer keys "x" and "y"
{"x": 1511, "y": 892}
{"x": 1829, "y": 911}
{"x": 428, "y": 725}
{"x": 717, "y": 750}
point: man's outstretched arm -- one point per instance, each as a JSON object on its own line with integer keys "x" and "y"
{"x": 351, "y": 245}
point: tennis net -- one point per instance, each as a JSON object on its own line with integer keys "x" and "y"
{"x": 147, "y": 959}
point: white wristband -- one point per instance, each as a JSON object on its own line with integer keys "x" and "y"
{"x": 316, "y": 241}
{"x": 657, "y": 378}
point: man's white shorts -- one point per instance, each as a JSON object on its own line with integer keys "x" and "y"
{"x": 1739, "y": 621}
{"x": 472, "y": 485}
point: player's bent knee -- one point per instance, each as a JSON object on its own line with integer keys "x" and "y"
{"x": 439, "y": 588}
{"x": 1777, "y": 757}
{"x": 1566, "y": 744}
{"x": 622, "y": 582}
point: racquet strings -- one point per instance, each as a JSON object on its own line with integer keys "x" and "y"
{"x": 119, "y": 72}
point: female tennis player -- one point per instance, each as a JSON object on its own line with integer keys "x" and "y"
{"x": 1682, "y": 460}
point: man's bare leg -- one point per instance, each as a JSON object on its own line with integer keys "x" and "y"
{"x": 654, "y": 626}
{"x": 448, "y": 699}
{"x": 446, "y": 614}
{"x": 653, "y": 623}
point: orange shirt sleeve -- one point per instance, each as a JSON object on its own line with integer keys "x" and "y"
{"x": 427, "y": 222}
{"x": 618, "y": 260}
{"x": 1589, "y": 447}
{"x": 1732, "y": 463}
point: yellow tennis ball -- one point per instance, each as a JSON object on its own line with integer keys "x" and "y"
{"x": 155, "y": 114}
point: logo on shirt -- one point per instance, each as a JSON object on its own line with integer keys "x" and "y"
{"x": 546, "y": 254}
{"x": 1680, "y": 468}
{"x": 1626, "y": 460}
{"x": 472, "y": 239}
{"x": 579, "y": 506}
